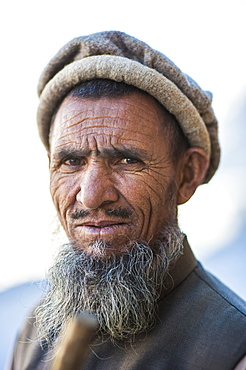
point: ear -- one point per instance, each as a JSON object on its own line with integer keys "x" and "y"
{"x": 192, "y": 170}
{"x": 48, "y": 155}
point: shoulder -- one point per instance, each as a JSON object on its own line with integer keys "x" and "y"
{"x": 207, "y": 318}
{"x": 27, "y": 349}
{"x": 215, "y": 291}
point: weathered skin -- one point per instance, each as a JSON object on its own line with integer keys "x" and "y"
{"x": 113, "y": 154}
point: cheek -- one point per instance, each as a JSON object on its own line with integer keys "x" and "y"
{"x": 63, "y": 192}
{"x": 147, "y": 193}
{"x": 151, "y": 186}
{"x": 160, "y": 208}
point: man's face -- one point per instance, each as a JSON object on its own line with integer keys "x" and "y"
{"x": 112, "y": 178}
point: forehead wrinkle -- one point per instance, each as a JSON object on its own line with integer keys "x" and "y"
{"x": 140, "y": 120}
{"x": 131, "y": 118}
{"x": 110, "y": 137}
{"x": 118, "y": 115}
{"x": 89, "y": 140}
{"x": 72, "y": 133}
{"x": 109, "y": 123}
{"x": 124, "y": 109}
{"x": 106, "y": 129}
{"x": 136, "y": 108}
{"x": 71, "y": 118}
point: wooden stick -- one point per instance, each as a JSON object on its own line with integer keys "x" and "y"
{"x": 73, "y": 349}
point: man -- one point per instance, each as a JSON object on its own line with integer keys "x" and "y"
{"x": 129, "y": 137}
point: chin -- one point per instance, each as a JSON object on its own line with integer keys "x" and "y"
{"x": 101, "y": 249}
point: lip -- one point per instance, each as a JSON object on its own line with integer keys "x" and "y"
{"x": 101, "y": 224}
{"x": 101, "y": 227}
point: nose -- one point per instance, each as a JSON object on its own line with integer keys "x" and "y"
{"x": 96, "y": 187}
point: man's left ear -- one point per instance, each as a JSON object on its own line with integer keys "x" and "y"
{"x": 192, "y": 170}
{"x": 48, "y": 155}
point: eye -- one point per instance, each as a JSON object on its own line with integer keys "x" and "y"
{"x": 72, "y": 164}
{"x": 129, "y": 161}
{"x": 74, "y": 161}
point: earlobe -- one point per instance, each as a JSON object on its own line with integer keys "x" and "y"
{"x": 192, "y": 170}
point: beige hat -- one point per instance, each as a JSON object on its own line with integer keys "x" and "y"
{"x": 120, "y": 57}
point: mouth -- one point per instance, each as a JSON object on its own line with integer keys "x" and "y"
{"x": 101, "y": 226}
{"x": 115, "y": 233}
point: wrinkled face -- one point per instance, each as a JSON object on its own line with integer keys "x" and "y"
{"x": 112, "y": 178}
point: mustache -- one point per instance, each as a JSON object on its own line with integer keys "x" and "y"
{"x": 120, "y": 212}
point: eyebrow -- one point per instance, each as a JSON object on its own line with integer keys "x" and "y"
{"x": 131, "y": 152}
{"x": 65, "y": 153}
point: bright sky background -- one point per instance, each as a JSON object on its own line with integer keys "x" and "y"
{"x": 206, "y": 39}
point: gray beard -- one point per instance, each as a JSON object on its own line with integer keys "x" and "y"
{"x": 121, "y": 291}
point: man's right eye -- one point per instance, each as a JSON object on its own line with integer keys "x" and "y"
{"x": 73, "y": 162}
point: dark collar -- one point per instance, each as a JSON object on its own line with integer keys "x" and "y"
{"x": 182, "y": 268}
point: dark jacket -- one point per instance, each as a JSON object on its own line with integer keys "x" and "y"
{"x": 201, "y": 324}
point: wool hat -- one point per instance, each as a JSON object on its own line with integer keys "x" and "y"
{"x": 117, "y": 56}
